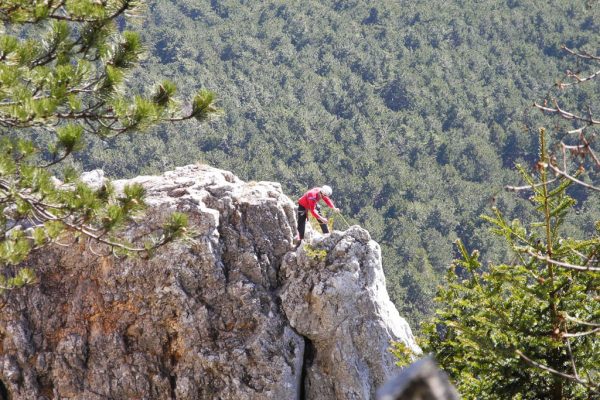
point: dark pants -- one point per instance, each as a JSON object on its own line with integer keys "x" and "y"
{"x": 303, "y": 216}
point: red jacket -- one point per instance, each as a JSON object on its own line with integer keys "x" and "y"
{"x": 310, "y": 200}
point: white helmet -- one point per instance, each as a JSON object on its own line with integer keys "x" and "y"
{"x": 326, "y": 190}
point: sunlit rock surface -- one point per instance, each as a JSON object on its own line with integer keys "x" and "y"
{"x": 236, "y": 312}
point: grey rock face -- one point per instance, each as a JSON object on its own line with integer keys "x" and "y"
{"x": 234, "y": 313}
{"x": 334, "y": 295}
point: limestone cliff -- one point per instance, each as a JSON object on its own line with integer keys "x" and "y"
{"x": 234, "y": 313}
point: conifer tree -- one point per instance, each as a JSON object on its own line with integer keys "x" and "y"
{"x": 63, "y": 64}
{"x": 528, "y": 328}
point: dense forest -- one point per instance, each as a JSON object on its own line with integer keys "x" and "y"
{"x": 414, "y": 112}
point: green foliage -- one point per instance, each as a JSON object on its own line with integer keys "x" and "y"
{"x": 68, "y": 138}
{"x": 25, "y": 276}
{"x": 315, "y": 254}
{"x": 176, "y": 226}
{"x": 203, "y": 105}
{"x": 403, "y": 353}
{"x": 415, "y": 115}
{"x": 62, "y": 69}
{"x": 525, "y": 329}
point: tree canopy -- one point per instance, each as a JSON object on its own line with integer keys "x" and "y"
{"x": 414, "y": 112}
{"x": 527, "y": 327}
{"x": 62, "y": 69}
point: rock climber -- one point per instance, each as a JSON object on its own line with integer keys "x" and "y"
{"x": 309, "y": 202}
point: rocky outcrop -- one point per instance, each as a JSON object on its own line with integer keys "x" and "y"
{"x": 235, "y": 312}
{"x": 334, "y": 295}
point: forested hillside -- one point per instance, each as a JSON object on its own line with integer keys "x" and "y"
{"x": 414, "y": 112}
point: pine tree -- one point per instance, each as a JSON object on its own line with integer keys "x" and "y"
{"x": 63, "y": 64}
{"x": 528, "y": 328}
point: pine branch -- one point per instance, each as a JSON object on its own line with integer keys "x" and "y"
{"x": 579, "y": 334}
{"x": 527, "y": 187}
{"x": 555, "y": 372}
{"x": 572, "y": 357}
{"x": 567, "y": 115}
{"x": 59, "y": 12}
{"x": 584, "y": 55}
{"x": 43, "y": 215}
{"x": 568, "y": 317}
{"x": 560, "y": 263}
{"x": 578, "y": 79}
{"x": 572, "y": 178}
